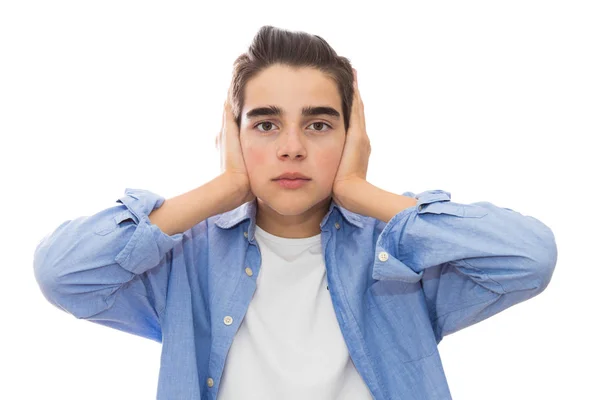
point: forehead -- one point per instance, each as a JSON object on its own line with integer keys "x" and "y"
{"x": 291, "y": 89}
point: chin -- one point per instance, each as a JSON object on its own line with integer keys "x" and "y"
{"x": 291, "y": 203}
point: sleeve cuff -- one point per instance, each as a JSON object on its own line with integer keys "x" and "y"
{"x": 148, "y": 244}
{"x": 387, "y": 266}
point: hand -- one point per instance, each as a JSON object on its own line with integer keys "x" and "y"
{"x": 232, "y": 159}
{"x": 357, "y": 148}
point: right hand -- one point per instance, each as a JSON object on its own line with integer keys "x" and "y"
{"x": 232, "y": 159}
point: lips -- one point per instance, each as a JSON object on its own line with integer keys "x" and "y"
{"x": 292, "y": 175}
{"x": 292, "y": 183}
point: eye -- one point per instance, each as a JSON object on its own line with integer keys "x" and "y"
{"x": 262, "y": 123}
{"x": 321, "y": 124}
{"x": 318, "y": 125}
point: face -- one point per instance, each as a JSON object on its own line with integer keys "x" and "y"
{"x": 291, "y": 141}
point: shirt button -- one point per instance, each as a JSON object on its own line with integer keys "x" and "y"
{"x": 383, "y": 256}
{"x": 337, "y": 226}
{"x": 245, "y": 234}
{"x": 420, "y": 207}
{"x": 210, "y": 382}
{"x": 248, "y": 271}
{"x": 228, "y": 320}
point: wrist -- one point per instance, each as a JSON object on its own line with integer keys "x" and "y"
{"x": 237, "y": 186}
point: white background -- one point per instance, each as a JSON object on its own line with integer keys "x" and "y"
{"x": 490, "y": 101}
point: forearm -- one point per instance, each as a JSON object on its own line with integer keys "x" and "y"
{"x": 180, "y": 213}
{"x": 362, "y": 197}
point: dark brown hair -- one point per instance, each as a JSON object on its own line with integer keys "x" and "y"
{"x": 273, "y": 45}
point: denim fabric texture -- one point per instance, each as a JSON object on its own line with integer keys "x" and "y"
{"x": 397, "y": 288}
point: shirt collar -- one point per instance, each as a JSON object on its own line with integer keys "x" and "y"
{"x": 247, "y": 210}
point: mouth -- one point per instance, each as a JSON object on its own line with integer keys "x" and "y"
{"x": 292, "y": 183}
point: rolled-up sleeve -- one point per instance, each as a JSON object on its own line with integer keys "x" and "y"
{"x": 110, "y": 268}
{"x": 148, "y": 244}
{"x": 473, "y": 260}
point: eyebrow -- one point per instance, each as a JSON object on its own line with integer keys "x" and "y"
{"x": 306, "y": 111}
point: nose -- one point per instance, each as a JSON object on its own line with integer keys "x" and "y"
{"x": 291, "y": 145}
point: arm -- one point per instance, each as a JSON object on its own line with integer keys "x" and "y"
{"x": 112, "y": 268}
{"x": 180, "y": 213}
{"x": 473, "y": 260}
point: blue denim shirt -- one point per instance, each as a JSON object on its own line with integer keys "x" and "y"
{"x": 397, "y": 288}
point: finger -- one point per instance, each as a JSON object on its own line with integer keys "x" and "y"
{"x": 229, "y": 117}
{"x": 355, "y": 118}
{"x": 360, "y": 114}
{"x": 221, "y": 135}
{"x": 357, "y": 90}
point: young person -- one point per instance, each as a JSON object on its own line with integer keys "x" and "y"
{"x": 326, "y": 287}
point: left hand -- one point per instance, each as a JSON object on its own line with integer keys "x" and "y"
{"x": 357, "y": 148}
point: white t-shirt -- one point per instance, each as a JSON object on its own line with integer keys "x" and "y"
{"x": 289, "y": 345}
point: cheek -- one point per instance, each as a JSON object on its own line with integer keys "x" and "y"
{"x": 328, "y": 164}
{"x": 254, "y": 159}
